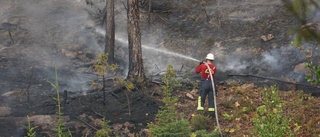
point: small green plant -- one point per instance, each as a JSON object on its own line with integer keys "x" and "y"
{"x": 314, "y": 77}
{"x": 170, "y": 83}
{"x": 139, "y": 82}
{"x": 102, "y": 67}
{"x": 105, "y": 130}
{"x": 269, "y": 120}
{"x": 30, "y": 130}
{"x": 168, "y": 123}
{"x": 200, "y": 122}
{"x": 61, "y": 130}
{"x": 227, "y": 116}
{"x": 176, "y": 128}
{"x": 129, "y": 87}
{"x": 204, "y": 133}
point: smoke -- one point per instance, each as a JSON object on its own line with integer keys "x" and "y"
{"x": 280, "y": 59}
{"x": 156, "y": 57}
{"x": 278, "y": 62}
{"x": 271, "y": 59}
{"x": 237, "y": 61}
{"x": 66, "y": 25}
{"x": 59, "y": 35}
{"x": 233, "y": 63}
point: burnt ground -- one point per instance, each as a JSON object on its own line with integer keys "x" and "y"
{"x": 79, "y": 112}
{"x": 34, "y": 42}
{"x": 237, "y": 105}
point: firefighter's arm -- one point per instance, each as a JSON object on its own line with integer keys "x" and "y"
{"x": 198, "y": 69}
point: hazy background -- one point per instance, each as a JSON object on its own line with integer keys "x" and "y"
{"x": 68, "y": 34}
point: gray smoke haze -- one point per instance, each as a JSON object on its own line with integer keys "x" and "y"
{"x": 277, "y": 62}
{"x": 156, "y": 56}
{"x": 59, "y": 31}
{"x": 62, "y": 29}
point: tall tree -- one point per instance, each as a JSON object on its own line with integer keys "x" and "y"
{"x": 110, "y": 30}
{"x": 136, "y": 69}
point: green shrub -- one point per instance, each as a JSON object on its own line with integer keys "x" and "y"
{"x": 102, "y": 67}
{"x": 170, "y": 83}
{"x": 177, "y": 128}
{"x": 105, "y": 131}
{"x": 168, "y": 123}
{"x": 200, "y": 122}
{"x": 269, "y": 120}
{"x": 204, "y": 133}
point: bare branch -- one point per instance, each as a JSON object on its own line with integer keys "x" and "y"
{"x": 124, "y": 5}
{"x": 87, "y": 124}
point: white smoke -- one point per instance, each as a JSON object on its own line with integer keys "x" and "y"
{"x": 272, "y": 59}
{"x": 54, "y": 26}
{"x": 232, "y": 63}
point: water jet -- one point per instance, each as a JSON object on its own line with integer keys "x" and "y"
{"x": 124, "y": 41}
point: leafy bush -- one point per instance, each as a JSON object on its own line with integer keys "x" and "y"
{"x": 269, "y": 120}
{"x": 176, "y": 128}
{"x": 200, "y": 122}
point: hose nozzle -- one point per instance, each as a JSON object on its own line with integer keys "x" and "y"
{"x": 201, "y": 62}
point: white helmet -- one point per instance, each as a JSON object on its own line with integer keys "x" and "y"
{"x": 210, "y": 56}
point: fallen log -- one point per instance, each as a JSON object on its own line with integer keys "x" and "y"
{"x": 289, "y": 82}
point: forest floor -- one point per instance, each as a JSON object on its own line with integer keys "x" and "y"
{"x": 237, "y": 106}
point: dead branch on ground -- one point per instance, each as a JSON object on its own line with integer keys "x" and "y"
{"x": 87, "y": 124}
{"x": 295, "y": 83}
{"x": 29, "y": 84}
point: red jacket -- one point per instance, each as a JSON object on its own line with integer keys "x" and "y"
{"x": 205, "y": 72}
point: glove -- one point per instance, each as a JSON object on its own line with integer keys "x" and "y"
{"x": 202, "y": 62}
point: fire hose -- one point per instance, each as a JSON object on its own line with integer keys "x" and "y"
{"x": 214, "y": 99}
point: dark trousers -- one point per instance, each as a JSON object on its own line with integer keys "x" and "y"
{"x": 206, "y": 90}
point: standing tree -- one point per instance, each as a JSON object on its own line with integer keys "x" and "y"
{"x": 136, "y": 70}
{"x": 110, "y": 30}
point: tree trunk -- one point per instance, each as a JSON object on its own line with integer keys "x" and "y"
{"x": 136, "y": 69}
{"x": 110, "y": 31}
{"x": 149, "y": 13}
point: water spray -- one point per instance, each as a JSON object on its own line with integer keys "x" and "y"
{"x": 122, "y": 40}
{"x": 149, "y": 47}
{"x": 170, "y": 53}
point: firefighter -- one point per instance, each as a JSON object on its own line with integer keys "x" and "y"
{"x": 206, "y": 88}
